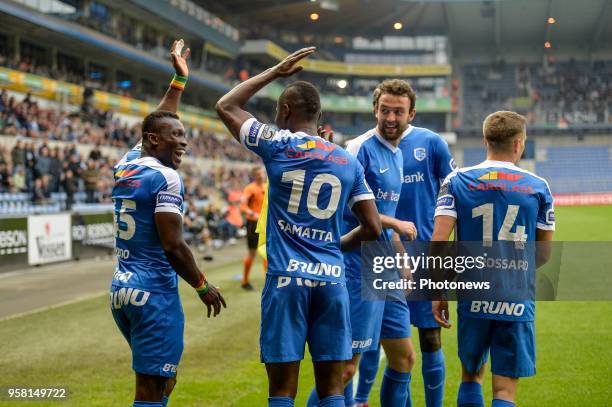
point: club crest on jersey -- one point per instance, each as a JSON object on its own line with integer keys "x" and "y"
{"x": 420, "y": 153}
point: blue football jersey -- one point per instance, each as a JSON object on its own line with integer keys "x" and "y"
{"x": 382, "y": 164}
{"x": 427, "y": 161}
{"x": 134, "y": 153}
{"x": 495, "y": 201}
{"x": 311, "y": 181}
{"x": 143, "y": 187}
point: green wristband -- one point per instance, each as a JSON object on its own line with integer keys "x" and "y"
{"x": 203, "y": 290}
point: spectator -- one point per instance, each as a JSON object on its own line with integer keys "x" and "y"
{"x": 19, "y": 180}
{"x": 70, "y": 185}
{"x": 18, "y": 154}
{"x": 38, "y": 193}
{"x": 43, "y": 163}
{"x": 5, "y": 178}
{"x": 90, "y": 176}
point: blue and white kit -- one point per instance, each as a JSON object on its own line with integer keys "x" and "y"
{"x": 311, "y": 181}
{"x": 494, "y": 201}
{"x": 143, "y": 295}
{"x": 373, "y": 320}
{"x": 427, "y": 161}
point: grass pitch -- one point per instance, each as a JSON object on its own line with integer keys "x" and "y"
{"x": 79, "y": 346}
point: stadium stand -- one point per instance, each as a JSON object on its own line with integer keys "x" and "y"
{"x": 552, "y": 93}
{"x": 577, "y": 169}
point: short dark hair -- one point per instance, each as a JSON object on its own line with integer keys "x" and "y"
{"x": 500, "y": 128}
{"x": 302, "y": 96}
{"x": 395, "y": 87}
{"x": 150, "y": 124}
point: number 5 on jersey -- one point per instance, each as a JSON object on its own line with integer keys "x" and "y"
{"x": 125, "y": 225}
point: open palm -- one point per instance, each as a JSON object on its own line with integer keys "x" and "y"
{"x": 179, "y": 61}
{"x": 288, "y": 66}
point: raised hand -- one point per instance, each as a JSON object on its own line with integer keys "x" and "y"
{"x": 325, "y": 135}
{"x": 178, "y": 58}
{"x": 288, "y": 66}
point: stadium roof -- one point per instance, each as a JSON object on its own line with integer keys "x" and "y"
{"x": 489, "y": 24}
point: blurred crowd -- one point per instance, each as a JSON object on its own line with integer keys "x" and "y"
{"x": 570, "y": 92}
{"x": 27, "y": 119}
{"x": 47, "y": 158}
{"x": 68, "y": 72}
{"x": 42, "y": 171}
{"x": 550, "y": 93}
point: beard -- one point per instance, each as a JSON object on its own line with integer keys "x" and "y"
{"x": 392, "y": 133}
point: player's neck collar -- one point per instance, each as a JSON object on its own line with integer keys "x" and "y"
{"x": 385, "y": 142}
{"x": 408, "y": 131}
{"x": 496, "y": 163}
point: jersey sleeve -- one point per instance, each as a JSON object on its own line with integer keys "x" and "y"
{"x": 546, "y": 211}
{"x": 446, "y": 204}
{"x": 445, "y": 164}
{"x": 361, "y": 190}
{"x": 359, "y": 153}
{"x": 170, "y": 193}
{"x": 259, "y": 138}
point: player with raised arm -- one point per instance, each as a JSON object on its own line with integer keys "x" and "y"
{"x": 381, "y": 322}
{"x": 495, "y": 201}
{"x": 172, "y": 98}
{"x": 148, "y": 199}
{"x": 311, "y": 181}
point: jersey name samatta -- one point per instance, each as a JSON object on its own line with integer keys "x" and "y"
{"x": 305, "y": 232}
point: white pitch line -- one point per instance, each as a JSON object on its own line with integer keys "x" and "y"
{"x": 58, "y": 305}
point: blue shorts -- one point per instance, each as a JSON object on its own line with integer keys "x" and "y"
{"x": 373, "y": 320}
{"x": 511, "y": 344}
{"x": 421, "y": 315}
{"x": 296, "y": 311}
{"x": 366, "y": 318}
{"x": 395, "y": 320}
{"x": 152, "y": 324}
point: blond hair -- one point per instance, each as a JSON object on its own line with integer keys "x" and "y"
{"x": 501, "y": 128}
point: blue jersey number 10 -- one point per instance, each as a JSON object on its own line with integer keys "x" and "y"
{"x": 297, "y": 178}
